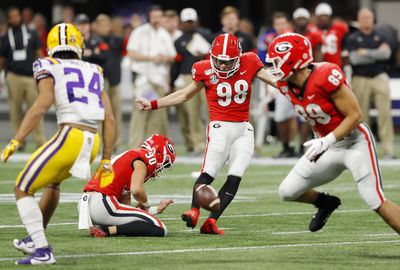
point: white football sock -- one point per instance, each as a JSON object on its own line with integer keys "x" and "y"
{"x": 32, "y": 218}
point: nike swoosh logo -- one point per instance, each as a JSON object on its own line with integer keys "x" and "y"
{"x": 311, "y": 97}
{"x": 46, "y": 257}
{"x": 243, "y": 72}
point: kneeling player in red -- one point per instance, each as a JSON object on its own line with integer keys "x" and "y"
{"x": 319, "y": 94}
{"x": 107, "y": 204}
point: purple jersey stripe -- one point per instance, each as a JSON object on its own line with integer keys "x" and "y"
{"x": 46, "y": 160}
{"x": 38, "y": 156}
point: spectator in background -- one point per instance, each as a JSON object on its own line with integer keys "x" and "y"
{"x": 246, "y": 26}
{"x": 192, "y": 46}
{"x": 171, "y": 23}
{"x": 27, "y": 18}
{"x": 333, "y": 33}
{"x": 284, "y": 116}
{"x": 302, "y": 25}
{"x": 230, "y": 18}
{"x": 19, "y": 48}
{"x": 41, "y": 28}
{"x": 152, "y": 51}
{"x": 369, "y": 52}
{"x": 110, "y": 47}
{"x": 67, "y": 14}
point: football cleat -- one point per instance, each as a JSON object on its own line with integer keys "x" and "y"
{"x": 41, "y": 256}
{"x": 210, "y": 227}
{"x": 25, "y": 245}
{"x": 98, "y": 232}
{"x": 191, "y": 217}
{"x": 321, "y": 217}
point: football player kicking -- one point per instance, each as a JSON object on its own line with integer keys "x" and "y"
{"x": 319, "y": 94}
{"x": 108, "y": 205}
{"x": 227, "y": 78}
{"x": 76, "y": 89}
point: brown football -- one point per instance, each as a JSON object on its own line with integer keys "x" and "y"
{"x": 207, "y": 197}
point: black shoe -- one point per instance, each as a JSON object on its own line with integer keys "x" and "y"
{"x": 286, "y": 153}
{"x": 328, "y": 205}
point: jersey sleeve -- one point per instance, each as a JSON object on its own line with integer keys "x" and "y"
{"x": 42, "y": 68}
{"x": 198, "y": 74}
{"x": 254, "y": 62}
{"x": 330, "y": 76}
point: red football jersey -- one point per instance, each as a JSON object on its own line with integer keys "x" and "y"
{"x": 315, "y": 105}
{"x": 332, "y": 46}
{"x": 123, "y": 168}
{"x": 228, "y": 99}
{"x": 315, "y": 38}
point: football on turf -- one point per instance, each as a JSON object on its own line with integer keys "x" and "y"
{"x": 207, "y": 198}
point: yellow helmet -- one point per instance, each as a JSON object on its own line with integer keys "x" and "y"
{"x": 65, "y": 37}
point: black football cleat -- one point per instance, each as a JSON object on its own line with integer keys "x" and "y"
{"x": 325, "y": 209}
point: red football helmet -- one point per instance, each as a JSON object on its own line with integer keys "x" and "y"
{"x": 225, "y": 55}
{"x": 288, "y": 53}
{"x": 163, "y": 149}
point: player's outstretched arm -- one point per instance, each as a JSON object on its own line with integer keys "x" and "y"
{"x": 173, "y": 99}
{"x": 263, "y": 75}
{"x": 32, "y": 117}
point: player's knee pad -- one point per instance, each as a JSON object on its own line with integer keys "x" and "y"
{"x": 286, "y": 193}
{"x": 372, "y": 194}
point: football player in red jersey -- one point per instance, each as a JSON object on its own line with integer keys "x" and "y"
{"x": 333, "y": 33}
{"x": 226, "y": 78}
{"x": 107, "y": 205}
{"x": 319, "y": 93}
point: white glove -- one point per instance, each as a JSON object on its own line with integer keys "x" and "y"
{"x": 318, "y": 146}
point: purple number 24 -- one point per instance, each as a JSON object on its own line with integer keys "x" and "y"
{"x": 94, "y": 86}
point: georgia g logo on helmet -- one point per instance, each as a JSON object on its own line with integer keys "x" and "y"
{"x": 283, "y": 47}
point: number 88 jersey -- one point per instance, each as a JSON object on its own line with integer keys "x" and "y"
{"x": 315, "y": 104}
{"x": 228, "y": 99}
{"x": 77, "y": 85}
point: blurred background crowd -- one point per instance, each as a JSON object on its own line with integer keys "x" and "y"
{"x": 147, "y": 49}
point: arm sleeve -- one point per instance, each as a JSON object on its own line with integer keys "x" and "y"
{"x": 379, "y": 53}
{"x": 357, "y": 59}
{"x": 42, "y": 69}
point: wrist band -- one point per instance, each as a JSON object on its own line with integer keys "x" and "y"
{"x": 154, "y": 104}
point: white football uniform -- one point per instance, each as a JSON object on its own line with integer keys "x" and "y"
{"x": 78, "y": 86}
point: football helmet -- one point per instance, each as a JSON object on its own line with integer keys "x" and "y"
{"x": 65, "y": 37}
{"x": 225, "y": 55}
{"x": 163, "y": 150}
{"x": 287, "y": 54}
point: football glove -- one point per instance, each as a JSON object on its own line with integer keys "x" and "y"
{"x": 316, "y": 147}
{"x": 105, "y": 173}
{"x": 11, "y": 147}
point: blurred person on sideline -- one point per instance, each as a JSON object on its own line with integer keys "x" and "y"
{"x": 109, "y": 46}
{"x": 19, "y": 48}
{"x": 192, "y": 46}
{"x": 171, "y": 23}
{"x": 369, "y": 52}
{"x": 40, "y": 23}
{"x": 152, "y": 52}
{"x": 230, "y": 19}
{"x": 333, "y": 33}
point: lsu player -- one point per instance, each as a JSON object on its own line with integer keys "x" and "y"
{"x": 109, "y": 207}
{"x": 226, "y": 77}
{"x": 319, "y": 93}
{"x": 75, "y": 88}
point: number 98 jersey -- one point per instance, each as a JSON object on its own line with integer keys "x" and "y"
{"x": 77, "y": 85}
{"x": 228, "y": 99}
{"x": 123, "y": 168}
{"x": 315, "y": 104}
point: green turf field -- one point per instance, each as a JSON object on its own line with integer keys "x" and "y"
{"x": 261, "y": 232}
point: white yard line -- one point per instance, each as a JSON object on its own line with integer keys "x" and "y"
{"x": 295, "y": 232}
{"x": 380, "y": 234}
{"x": 4, "y": 226}
{"x": 196, "y": 250}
